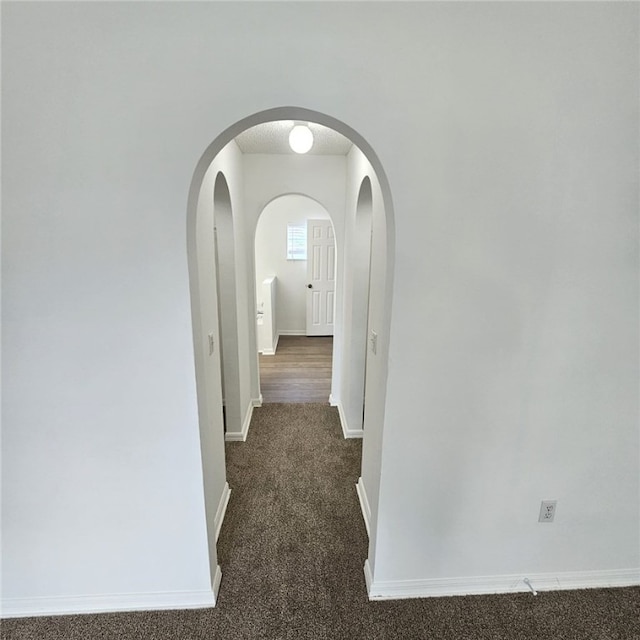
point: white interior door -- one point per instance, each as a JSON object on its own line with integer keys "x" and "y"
{"x": 321, "y": 274}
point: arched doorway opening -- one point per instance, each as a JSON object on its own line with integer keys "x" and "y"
{"x": 207, "y": 319}
{"x": 225, "y": 268}
{"x": 361, "y": 247}
{"x": 284, "y": 271}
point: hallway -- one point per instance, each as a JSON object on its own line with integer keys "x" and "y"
{"x": 293, "y": 540}
{"x": 300, "y": 370}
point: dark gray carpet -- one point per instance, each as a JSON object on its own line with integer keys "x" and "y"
{"x": 292, "y": 549}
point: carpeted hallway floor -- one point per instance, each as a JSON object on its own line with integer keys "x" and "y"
{"x": 292, "y": 549}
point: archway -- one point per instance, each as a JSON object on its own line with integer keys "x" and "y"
{"x": 380, "y": 303}
{"x": 282, "y": 297}
{"x": 225, "y": 267}
{"x": 361, "y": 275}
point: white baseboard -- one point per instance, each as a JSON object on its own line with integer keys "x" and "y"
{"x": 67, "y": 605}
{"x": 479, "y": 585}
{"x": 215, "y": 587}
{"x": 346, "y": 432}
{"x": 222, "y": 508}
{"x": 272, "y": 351}
{"x": 368, "y": 576}
{"x": 364, "y": 505}
{"x": 241, "y": 436}
{"x": 257, "y": 402}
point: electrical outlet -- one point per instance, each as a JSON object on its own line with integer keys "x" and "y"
{"x": 547, "y": 510}
{"x": 211, "y": 344}
{"x": 374, "y": 342}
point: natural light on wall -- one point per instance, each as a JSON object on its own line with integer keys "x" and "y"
{"x": 301, "y": 139}
{"x": 296, "y": 241}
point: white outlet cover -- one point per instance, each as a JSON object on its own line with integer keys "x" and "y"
{"x": 547, "y": 510}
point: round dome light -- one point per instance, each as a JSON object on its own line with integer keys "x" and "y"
{"x": 300, "y": 138}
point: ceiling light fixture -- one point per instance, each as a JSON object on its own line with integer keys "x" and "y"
{"x": 301, "y": 138}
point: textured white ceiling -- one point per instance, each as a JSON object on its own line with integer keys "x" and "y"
{"x": 273, "y": 137}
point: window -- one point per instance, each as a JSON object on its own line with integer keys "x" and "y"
{"x": 297, "y": 241}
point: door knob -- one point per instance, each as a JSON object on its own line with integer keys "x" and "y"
{"x": 309, "y": 286}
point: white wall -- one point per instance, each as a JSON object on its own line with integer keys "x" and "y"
{"x": 219, "y": 205}
{"x": 359, "y": 169}
{"x": 509, "y": 135}
{"x": 271, "y": 258}
{"x": 513, "y": 372}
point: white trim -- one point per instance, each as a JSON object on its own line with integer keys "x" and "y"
{"x": 235, "y": 436}
{"x": 368, "y": 576}
{"x": 475, "y": 585}
{"x": 292, "y": 332}
{"x": 364, "y": 504}
{"x": 257, "y": 402}
{"x": 66, "y": 605}
{"x": 346, "y": 432}
{"x": 215, "y": 587}
{"x": 222, "y": 508}
{"x": 271, "y": 352}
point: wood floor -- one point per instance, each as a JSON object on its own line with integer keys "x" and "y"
{"x": 300, "y": 370}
